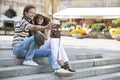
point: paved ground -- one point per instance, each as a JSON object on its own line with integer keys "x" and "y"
{"x": 108, "y": 48}
{"x": 5, "y": 41}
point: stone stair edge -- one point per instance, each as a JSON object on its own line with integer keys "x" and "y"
{"x": 94, "y": 62}
{"x": 83, "y": 69}
{"x": 48, "y": 74}
{"x": 102, "y": 77}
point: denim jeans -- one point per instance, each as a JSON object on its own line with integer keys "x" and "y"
{"x": 54, "y": 46}
{"x": 47, "y": 53}
{"x": 27, "y": 50}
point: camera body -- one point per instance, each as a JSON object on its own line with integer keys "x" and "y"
{"x": 55, "y": 31}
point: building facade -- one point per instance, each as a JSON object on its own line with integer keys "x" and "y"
{"x": 88, "y": 3}
{"x": 45, "y": 6}
{"x": 42, "y": 6}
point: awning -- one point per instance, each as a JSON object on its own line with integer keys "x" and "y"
{"x": 106, "y": 13}
{"x": 5, "y": 18}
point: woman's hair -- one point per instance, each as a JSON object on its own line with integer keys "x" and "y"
{"x": 45, "y": 21}
{"x": 27, "y": 8}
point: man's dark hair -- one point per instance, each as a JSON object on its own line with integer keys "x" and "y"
{"x": 27, "y": 8}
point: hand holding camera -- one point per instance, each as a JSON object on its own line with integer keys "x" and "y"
{"x": 55, "y": 31}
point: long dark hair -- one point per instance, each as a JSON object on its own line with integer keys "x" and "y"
{"x": 45, "y": 21}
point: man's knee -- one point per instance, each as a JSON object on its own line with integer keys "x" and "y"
{"x": 49, "y": 52}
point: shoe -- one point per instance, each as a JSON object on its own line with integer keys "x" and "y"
{"x": 66, "y": 67}
{"x": 30, "y": 63}
{"x": 63, "y": 73}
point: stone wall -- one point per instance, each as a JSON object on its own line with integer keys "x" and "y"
{"x": 43, "y": 5}
{"x": 18, "y": 5}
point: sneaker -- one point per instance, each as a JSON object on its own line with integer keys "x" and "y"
{"x": 30, "y": 63}
{"x": 63, "y": 73}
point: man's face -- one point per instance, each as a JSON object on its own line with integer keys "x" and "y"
{"x": 31, "y": 13}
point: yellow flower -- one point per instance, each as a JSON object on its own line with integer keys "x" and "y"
{"x": 88, "y": 26}
{"x": 109, "y": 27}
{"x": 117, "y": 31}
{"x": 79, "y": 31}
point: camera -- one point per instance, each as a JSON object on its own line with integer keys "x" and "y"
{"x": 55, "y": 32}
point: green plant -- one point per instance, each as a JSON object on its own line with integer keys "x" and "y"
{"x": 69, "y": 24}
{"x": 98, "y": 26}
{"x": 78, "y": 26}
{"x": 116, "y": 21}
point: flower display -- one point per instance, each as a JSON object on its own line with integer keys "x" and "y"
{"x": 78, "y": 31}
{"x": 115, "y": 33}
{"x": 98, "y": 26}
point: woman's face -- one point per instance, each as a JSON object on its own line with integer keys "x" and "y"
{"x": 40, "y": 20}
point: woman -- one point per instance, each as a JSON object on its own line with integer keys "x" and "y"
{"x": 53, "y": 43}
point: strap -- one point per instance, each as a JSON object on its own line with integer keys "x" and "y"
{"x": 58, "y": 48}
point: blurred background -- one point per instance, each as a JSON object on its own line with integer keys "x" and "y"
{"x": 11, "y": 11}
{"x": 45, "y": 6}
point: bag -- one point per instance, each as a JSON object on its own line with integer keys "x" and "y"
{"x": 39, "y": 39}
{"x": 55, "y": 31}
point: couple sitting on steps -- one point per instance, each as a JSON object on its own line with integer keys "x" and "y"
{"x": 24, "y": 43}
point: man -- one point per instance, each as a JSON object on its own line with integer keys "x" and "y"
{"x": 24, "y": 44}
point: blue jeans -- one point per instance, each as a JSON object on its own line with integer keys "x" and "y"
{"x": 47, "y": 53}
{"x": 27, "y": 50}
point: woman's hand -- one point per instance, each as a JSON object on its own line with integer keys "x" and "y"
{"x": 46, "y": 36}
{"x": 50, "y": 25}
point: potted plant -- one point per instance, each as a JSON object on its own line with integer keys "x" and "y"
{"x": 69, "y": 25}
{"x": 98, "y": 27}
{"x": 116, "y": 21}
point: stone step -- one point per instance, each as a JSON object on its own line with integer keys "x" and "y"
{"x": 22, "y": 70}
{"x": 71, "y": 56}
{"x": 81, "y": 73}
{"x": 112, "y": 76}
{"x": 95, "y": 71}
{"x": 75, "y": 64}
{"x": 11, "y": 60}
{"x": 94, "y": 62}
{"x": 78, "y": 54}
{"x": 44, "y": 76}
{"x": 83, "y": 56}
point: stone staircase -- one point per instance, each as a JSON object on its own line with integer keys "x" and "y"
{"x": 88, "y": 67}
